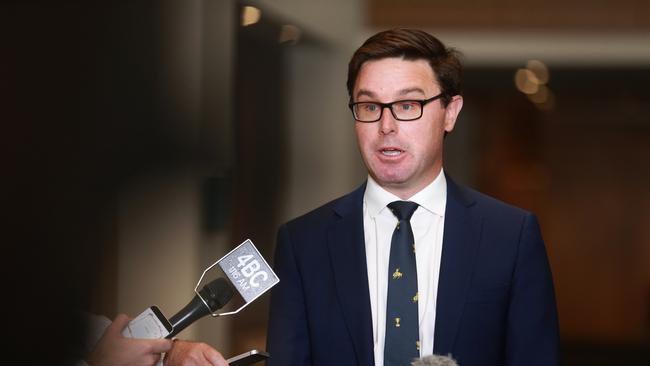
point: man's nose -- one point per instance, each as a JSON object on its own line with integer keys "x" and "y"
{"x": 387, "y": 123}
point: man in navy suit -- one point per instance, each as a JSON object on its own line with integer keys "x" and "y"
{"x": 484, "y": 288}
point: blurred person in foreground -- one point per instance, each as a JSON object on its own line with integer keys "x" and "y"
{"x": 410, "y": 263}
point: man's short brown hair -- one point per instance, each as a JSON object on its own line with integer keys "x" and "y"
{"x": 410, "y": 44}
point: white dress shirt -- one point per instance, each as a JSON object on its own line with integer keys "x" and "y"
{"x": 428, "y": 225}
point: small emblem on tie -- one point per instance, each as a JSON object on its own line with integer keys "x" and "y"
{"x": 417, "y": 345}
{"x": 397, "y": 274}
{"x": 397, "y": 322}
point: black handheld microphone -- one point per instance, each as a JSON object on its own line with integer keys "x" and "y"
{"x": 216, "y": 294}
{"x": 434, "y": 360}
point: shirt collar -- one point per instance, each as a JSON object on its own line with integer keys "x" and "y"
{"x": 433, "y": 197}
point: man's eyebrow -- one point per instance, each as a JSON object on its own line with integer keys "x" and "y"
{"x": 411, "y": 90}
{"x": 370, "y": 94}
{"x": 365, "y": 92}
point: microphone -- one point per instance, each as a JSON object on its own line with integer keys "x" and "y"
{"x": 247, "y": 273}
{"x": 434, "y": 360}
{"x": 216, "y": 294}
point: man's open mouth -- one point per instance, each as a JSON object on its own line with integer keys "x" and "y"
{"x": 391, "y": 151}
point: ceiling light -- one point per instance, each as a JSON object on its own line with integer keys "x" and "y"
{"x": 250, "y": 15}
{"x": 526, "y": 81}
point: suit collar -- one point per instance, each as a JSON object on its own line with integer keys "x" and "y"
{"x": 460, "y": 244}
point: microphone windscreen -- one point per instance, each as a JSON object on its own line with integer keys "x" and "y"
{"x": 434, "y": 360}
{"x": 217, "y": 293}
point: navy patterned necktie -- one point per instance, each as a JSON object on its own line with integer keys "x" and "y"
{"x": 402, "y": 343}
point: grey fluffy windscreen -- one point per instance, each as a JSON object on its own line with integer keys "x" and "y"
{"x": 434, "y": 360}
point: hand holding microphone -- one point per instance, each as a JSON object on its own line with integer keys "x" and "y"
{"x": 140, "y": 342}
{"x": 151, "y": 323}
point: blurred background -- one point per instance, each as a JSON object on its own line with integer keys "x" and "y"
{"x": 143, "y": 140}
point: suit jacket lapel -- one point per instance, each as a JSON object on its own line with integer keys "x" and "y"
{"x": 348, "y": 257}
{"x": 460, "y": 243}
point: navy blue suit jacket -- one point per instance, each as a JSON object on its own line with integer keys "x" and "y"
{"x": 495, "y": 304}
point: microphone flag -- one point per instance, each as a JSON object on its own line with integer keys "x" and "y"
{"x": 248, "y": 272}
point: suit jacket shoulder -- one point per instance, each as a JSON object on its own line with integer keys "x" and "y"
{"x": 483, "y": 203}
{"x": 324, "y": 214}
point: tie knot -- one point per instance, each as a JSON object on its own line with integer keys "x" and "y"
{"x": 403, "y": 210}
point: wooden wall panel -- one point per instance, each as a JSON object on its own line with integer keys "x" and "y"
{"x": 510, "y": 14}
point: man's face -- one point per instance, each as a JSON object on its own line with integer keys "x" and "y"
{"x": 403, "y": 156}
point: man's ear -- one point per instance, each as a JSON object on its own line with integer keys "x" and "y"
{"x": 451, "y": 112}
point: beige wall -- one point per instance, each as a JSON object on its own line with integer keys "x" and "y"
{"x": 162, "y": 250}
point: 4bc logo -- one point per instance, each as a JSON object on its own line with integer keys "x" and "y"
{"x": 248, "y": 271}
{"x": 250, "y": 268}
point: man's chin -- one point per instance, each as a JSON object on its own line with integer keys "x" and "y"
{"x": 391, "y": 181}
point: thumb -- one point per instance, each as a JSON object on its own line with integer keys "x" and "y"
{"x": 119, "y": 323}
{"x": 160, "y": 345}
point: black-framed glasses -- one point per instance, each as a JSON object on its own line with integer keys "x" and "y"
{"x": 402, "y": 110}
